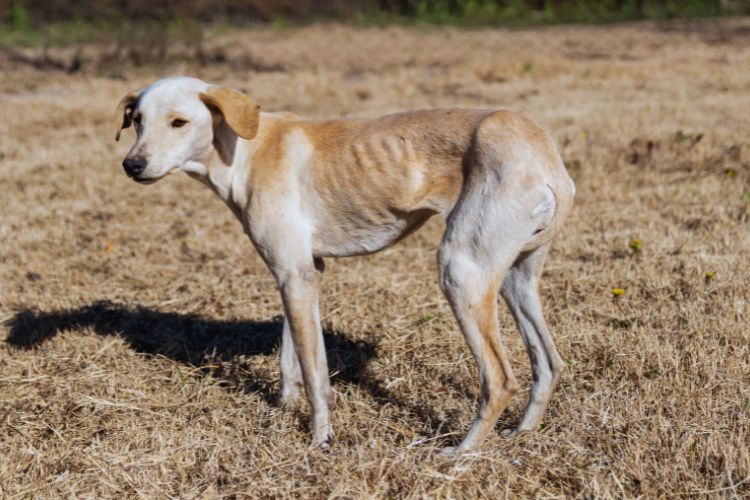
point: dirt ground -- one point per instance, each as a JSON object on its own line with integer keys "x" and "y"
{"x": 141, "y": 329}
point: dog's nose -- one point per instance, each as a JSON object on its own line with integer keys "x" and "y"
{"x": 134, "y": 165}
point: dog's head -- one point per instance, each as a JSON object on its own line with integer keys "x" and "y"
{"x": 178, "y": 122}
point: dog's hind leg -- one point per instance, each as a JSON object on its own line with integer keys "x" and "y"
{"x": 504, "y": 212}
{"x": 483, "y": 238}
{"x": 520, "y": 290}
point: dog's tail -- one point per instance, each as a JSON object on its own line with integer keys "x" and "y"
{"x": 564, "y": 191}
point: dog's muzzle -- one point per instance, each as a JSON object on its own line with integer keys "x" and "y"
{"x": 134, "y": 165}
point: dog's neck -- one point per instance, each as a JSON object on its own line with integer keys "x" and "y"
{"x": 225, "y": 169}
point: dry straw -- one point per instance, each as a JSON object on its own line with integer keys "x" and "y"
{"x": 142, "y": 330}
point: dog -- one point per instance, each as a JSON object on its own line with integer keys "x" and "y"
{"x": 306, "y": 190}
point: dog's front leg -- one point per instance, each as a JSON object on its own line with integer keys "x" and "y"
{"x": 291, "y": 373}
{"x": 300, "y": 291}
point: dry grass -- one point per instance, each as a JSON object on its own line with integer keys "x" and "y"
{"x": 142, "y": 330}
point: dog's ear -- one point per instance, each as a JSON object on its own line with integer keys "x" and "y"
{"x": 124, "y": 113}
{"x": 239, "y": 111}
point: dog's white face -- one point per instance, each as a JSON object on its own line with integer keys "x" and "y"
{"x": 178, "y": 122}
{"x": 174, "y": 129}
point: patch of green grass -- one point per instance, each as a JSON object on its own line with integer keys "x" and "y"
{"x": 18, "y": 16}
{"x": 62, "y": 33}
{"x": 19, "y": 28}
{"x": 519, "y": 12}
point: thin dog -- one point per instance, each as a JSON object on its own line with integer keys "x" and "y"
{"x": 306, "y": 190}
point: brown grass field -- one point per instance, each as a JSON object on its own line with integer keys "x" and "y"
{"x": 141, "y": 329}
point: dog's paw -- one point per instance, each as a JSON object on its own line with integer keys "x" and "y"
{"x": 322, "y": 443}
{"x": 450, "y": 452}
{"x": 288, "y": 400}
{"x": 510, "y": 432}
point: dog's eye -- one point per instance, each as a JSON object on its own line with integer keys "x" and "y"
{"x": 178, "y": 122}
{"x": 137, "y": 120}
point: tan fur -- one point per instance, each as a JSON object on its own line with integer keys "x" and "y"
{"x": 366, "y": 169}
{"x": 240, "y": 111}
{"x": 305, "y": 190}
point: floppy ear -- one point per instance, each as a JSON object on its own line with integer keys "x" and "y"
{"x": 124, "y": 113}
{"x": 240, "y": 112}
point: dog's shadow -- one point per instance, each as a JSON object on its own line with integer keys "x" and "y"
{"x": 218, "y": 348}
{"x": 207, "y": 344}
